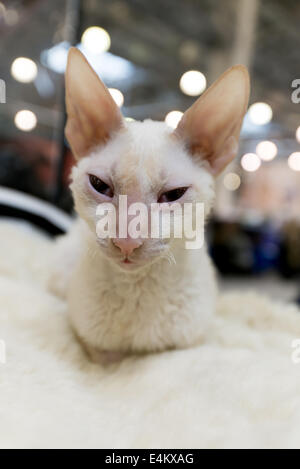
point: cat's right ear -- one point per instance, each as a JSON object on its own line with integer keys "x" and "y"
{"x": 92, "y": 113}
{"x": 211, "y": 126}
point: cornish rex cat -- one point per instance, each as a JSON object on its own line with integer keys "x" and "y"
{"x": 126, "y": 294}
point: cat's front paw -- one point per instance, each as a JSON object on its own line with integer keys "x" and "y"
{"x": 103, "y": 357}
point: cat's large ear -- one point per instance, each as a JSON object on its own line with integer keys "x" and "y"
{"x": 211, "y": 126}
{"x": 92, "y": 113}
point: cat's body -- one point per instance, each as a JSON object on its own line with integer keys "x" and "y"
{"x": 140, "y": 294}
{"x": 161, "y": 306}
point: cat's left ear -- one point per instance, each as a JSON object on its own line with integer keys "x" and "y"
{"x": 92, "y": 113}
{"x": 211, "y": 126}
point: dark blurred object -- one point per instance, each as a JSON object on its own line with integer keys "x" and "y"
{"x": 240, "y": 248}
{"x": 231, "y": 249}
{"x": 289, "y": 260}
{"x": 17, "y": 173}
{"x": 38, "y": 221}
{"x": 266, "y": 246}
{"x": 28, "y": 165}
{"x": 43, "y": 215}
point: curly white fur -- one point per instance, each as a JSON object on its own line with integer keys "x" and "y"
{"x": 239, "y": 389}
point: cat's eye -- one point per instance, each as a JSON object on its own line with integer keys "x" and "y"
{"x": 100, "y": 186}
{"x": 173, "y": 195}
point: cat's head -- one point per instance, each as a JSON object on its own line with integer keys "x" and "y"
{"x": 147, "y": 161}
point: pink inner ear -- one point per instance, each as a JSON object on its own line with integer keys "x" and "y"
{"x": 228, "y": 154}
{"x": 92, "y": 113}
{"x": 211, "y": 126}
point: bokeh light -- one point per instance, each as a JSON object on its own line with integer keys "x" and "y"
{"x": 260, "y": 113}
{"x": 294, "y": 161}
{"x": 232, "y": 181}
{"x": 298, "y": 134}
{"x": 96, "y": 40}
{"x": 192, "y": 83}
{"x": 11, "y": 17}
{"x": 173, "y": 118}
{"x": 117, "y": 96}
{"x": 24, "y": 70}
{"x": 266, "y": 150}
{"x": 25, "y": 120}
{"x": 250, "y": 162}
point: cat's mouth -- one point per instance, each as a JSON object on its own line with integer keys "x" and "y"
{"x": 129, "y": 264}
{"x": 127, "y": 261}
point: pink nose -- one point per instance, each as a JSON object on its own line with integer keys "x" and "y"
{"x": 127, "y": 245}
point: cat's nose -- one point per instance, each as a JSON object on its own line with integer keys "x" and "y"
{"x": 127, "y": 245}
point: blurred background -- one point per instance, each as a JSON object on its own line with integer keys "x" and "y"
{"x": 157, "y": 57}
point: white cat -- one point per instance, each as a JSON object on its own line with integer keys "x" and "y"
{"x": 124, "y": 294}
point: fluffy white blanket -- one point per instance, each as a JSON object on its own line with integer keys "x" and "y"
{"x": 240, "y": 389}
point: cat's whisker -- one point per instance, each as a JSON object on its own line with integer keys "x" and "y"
{"x": 92, "y": 252}
{"x": 171, "y": 258}
{"x": 168, "y": 255}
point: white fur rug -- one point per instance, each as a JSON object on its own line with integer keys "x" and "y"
{"x": 240, "y": 389}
